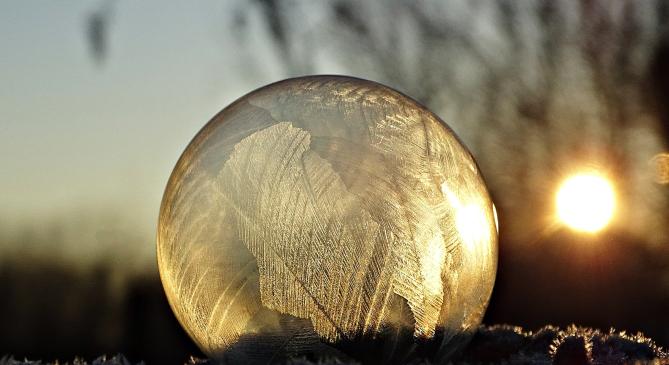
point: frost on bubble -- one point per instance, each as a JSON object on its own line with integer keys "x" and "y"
{"x": 326, "y": 214}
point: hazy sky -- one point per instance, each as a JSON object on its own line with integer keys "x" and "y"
{"x": 75, "y": 135}
{"x": 82, "y": 143}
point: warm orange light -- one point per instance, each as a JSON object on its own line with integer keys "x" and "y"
{"x": 586, "y": 202}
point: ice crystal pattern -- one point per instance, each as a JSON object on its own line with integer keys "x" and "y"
{"x": 327, "y": 215}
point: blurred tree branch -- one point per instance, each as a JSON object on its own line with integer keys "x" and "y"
{"x": 97, "y": 30}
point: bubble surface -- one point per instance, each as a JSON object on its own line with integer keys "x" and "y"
{"x": 327, "y": 216}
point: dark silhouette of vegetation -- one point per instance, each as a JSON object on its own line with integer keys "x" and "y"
{"x": 51, "y": 311}
{"x": 55, "y": 311}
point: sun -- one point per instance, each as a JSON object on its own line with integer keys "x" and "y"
{"x": 586, "y": 202}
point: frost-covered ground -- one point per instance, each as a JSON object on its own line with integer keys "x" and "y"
{"x": 503, "y": 345}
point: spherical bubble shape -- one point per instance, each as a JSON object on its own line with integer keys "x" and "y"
{"x": 327, "y": 216}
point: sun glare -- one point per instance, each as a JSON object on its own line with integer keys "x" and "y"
{"x": 585, "y": 202}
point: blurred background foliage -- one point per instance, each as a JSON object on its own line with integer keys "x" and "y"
{"x": 104, "y": 96}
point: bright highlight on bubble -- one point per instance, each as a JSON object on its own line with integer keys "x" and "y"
{"x": 586, "y": 202}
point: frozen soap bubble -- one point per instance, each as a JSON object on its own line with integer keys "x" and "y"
{"x": 327, "y": 216}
